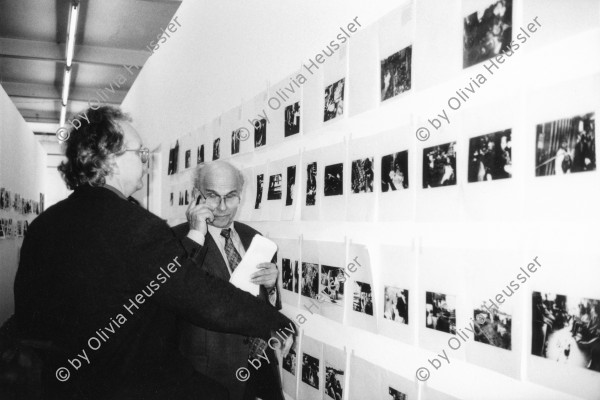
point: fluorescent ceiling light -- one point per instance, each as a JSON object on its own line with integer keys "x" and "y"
{"x": 63, "y": 115}
{"x": 66, "y": 86}
{"x": 73, "y": 17}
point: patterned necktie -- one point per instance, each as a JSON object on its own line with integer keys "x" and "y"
{"x": 233, "y": 257}
{"x": 257, "y": 345}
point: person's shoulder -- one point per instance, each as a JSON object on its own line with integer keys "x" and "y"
{"x": 243, "y": 229}
{"x": 181, "y": 230}
{"x": 50, "y": 215}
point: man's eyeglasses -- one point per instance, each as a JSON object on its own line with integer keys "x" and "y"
{"x": 214, "y": 200}
{"x": 143, "y": 153}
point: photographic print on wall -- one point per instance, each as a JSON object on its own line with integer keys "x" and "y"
{"x": 490, "y": 157}
{"x": 310, "y": 370}
{"x": 363, "y": 298}
{"x": 439, "y": 165}
{"x": 334, "y": 382}
{"x": 216, "y": 149}
{"x": 487, "y": 32}
{"x": 260, "y": 133}
{"x": 394, "y": 171}
{"x": 396, "y": 73}
{"x": 235, "y": 141}
{"x": 362, "y": 175}
{"x": 395, "y": 394}
{"x": 291, "y": 183}
{"x": 289, "y": 275}
{"x": 566, "y": 145}
{"x": 493, "y": 325}
{"x": 440, "y": 312}
{"x": 396, "y": 304}
{"x": 311, "y": 183}
{"x": 173, "y": 156}
{"x": 310, "y": 280}
{"x": 334, "y": 180}
{"x": 188, "y": 158}
{"x": 259, "y": 190}
{"x": 334, "y": 100}
{"x": 566, "y": 329}
{"x": 274, "y": 192}
{"x": 332, "y": 284}
{"x": 289, "y": 361}
{"x": 200, "y": 155}
{"x": 292, "y": 119}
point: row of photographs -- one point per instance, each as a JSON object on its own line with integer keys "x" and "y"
{"x": 562, "y": 147}
{"x": 21, "y": 205}
{"x": 487, "y": 32}
{"x": 565, "y": 329}
{"x": 10, "y": 230}
{"x": 314, "y": 370}
{"x": 291, "y": 127}
{"x": 544, "y": 330}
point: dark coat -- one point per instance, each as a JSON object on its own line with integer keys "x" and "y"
{"x": 88, "y": 257}
{"x": 219, "y": 355}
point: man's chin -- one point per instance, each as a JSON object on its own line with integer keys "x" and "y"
{"x": 221, "y": 222}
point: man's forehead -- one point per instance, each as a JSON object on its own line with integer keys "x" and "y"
{"x": 220, "y": 178}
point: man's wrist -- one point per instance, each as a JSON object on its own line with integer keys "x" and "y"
{"x": 196, "y": 236}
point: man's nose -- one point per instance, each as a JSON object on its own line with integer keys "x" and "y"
{"x": 222, "y": 205}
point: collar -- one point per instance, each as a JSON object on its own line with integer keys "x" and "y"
{"x": 216, "y": 232}
{"x": 115, "y": 190}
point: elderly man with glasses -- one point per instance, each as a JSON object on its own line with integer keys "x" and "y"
{"x": 217, "y": 195}
{"x": 104, "y": 281}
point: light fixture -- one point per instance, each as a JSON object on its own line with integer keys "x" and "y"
{"x": 66, "y": 86}
{"x": 70, "y": 49}
{"x": 73, "y": 17}
{"x": 63, "y": 115}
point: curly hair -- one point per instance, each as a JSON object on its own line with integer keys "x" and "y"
{"x": 89, "y": 145}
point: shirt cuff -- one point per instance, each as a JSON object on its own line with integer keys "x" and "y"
{"x": 196, "y": 236}
{"x": 272, "y": 296}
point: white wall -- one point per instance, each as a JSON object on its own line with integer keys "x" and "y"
{"x": 227, "y": 51}
{"x": 472, "y": 237}
{"x": 54, "y": 186}
{"x": 22, "y": 168}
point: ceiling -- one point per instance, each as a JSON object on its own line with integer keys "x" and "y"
{"x": 110, "y": 35}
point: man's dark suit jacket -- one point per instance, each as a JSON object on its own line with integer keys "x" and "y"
{"x": 87, "y": 257}
{"x": 219, "y": 355}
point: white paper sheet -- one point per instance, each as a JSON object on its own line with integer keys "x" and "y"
{"x": 311, "y": 372}
{"x": 261, "y": 250}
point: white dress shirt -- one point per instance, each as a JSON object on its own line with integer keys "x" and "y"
{"x": 215, "y": 232}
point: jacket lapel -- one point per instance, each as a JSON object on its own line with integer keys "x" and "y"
{"x": 218, "y": 267}
{"x": 244, "y": 235}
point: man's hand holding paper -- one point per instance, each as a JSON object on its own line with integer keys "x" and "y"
{"x": 246, "y": 276}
